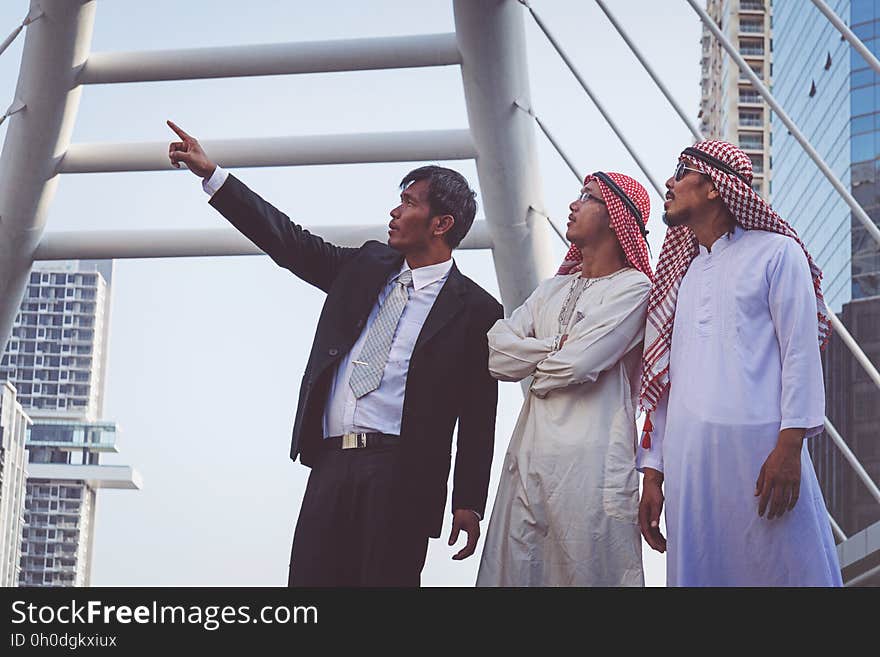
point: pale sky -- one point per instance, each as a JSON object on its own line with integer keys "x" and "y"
{"x": 206, "y": 354}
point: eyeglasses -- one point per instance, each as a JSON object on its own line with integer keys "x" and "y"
{"x": 680, "y": 171}
{"x": 586, "y": 196}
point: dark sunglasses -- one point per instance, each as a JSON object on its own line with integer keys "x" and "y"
{"x": 681, "y": 170}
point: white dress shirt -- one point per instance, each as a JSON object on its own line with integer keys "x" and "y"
{"x": 215, "y": 182}
{"x": 382, "y": 409}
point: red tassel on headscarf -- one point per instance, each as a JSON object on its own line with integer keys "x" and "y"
{"x": 648, "y": 428}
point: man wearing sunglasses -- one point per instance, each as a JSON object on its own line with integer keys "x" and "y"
{"x": 732, "y": 382}
{"x": 566, "y": 508}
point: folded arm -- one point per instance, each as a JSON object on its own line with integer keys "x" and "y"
{"x": 514, "y": 351}
{"x": 597, "y": 342}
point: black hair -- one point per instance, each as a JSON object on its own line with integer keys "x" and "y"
{"x": 448, "y": 193}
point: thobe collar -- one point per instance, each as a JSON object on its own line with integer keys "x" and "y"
{"x": 423, "y": 276}
{"x": 724, "y": 241}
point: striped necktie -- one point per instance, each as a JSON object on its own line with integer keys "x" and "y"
{"x": 369, "y": 367}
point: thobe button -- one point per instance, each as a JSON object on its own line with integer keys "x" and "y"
{"x": 333, "y": 351}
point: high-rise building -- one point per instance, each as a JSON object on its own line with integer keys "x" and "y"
{"x": 57, "y": 359}
{"x": 833, "y": 95}
{"x": 829, "y": 91}
{"x": 13, "y": 478}
{"x": 57, "y": 353}
{"x": 730, "y": 107}
{"x": 853, "y": 404}
{"x": 64, "y": 475}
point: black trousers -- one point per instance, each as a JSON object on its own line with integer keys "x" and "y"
{"x": 354, "y": 526}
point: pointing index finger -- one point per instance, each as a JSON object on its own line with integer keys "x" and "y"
{"x": 180, "y": 132}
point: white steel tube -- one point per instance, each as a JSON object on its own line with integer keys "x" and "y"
{"x": 278, "y": 151}
{"x": 494, "y": 71}
{"x": 851, "y": 459}
{"x": 848, "y": 34}
{"x": 54, "y": 48}
{"x": 836, "y": 528}
{"x": 650, "y": 71}
{"x": 116, "y": 244}
{"x": 854, "y": 347}
{"x": 271, "y": 59}
{"x": 605, "y": 115}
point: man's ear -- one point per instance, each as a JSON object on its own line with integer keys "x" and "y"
{"x": 443, "y": 224}
{"x": 713, "y": 193}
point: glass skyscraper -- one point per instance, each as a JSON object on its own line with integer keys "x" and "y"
{"x": 833, "y": 96}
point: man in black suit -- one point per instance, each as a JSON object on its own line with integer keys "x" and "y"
{"x": 399, "y": 355}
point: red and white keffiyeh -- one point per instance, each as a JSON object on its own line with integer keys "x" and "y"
{"x": 622, "y": 222}
{"x": 680, "y": 246}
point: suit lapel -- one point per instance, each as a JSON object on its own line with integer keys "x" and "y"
{"x": 370, "y": 282}
{"x": 448, "y": 303}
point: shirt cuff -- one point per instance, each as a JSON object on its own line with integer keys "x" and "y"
{"x": 649, "y": 458}
{"x": 215, "y": 182}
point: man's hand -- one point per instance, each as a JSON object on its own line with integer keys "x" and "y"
{"x": 190, "y": 152}
{"x": 779, "y": 482}
{"x": 467, "y": 520}
{"x": 650, "y": 507}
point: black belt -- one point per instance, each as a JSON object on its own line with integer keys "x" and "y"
{"x": 360, "y": 440}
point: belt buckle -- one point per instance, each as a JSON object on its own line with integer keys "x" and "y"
{"x": 354, "y": 440}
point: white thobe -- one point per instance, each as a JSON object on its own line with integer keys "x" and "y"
{"x": 744, "y": 364}
{"x": 566, "y": 509}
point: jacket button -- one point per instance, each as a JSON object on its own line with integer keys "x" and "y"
{"x": 333, "y": 351}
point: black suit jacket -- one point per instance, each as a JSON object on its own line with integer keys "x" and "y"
{"x": 448, "y": 378}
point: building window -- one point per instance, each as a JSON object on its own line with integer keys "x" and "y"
{"x": 753, "y": 25}
{"x": 751, "y": 118}
{"x": 749, "y": 141}
{"x": 751, "y": 47}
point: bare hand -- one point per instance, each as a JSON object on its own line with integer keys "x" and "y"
{"x": 467, "y": 520}
{"x": 190, "y": 152}
{"x": 779, "y": 482}
{"x": 650, "y": 507}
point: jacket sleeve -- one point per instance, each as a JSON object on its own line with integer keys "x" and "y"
{"x": 514, "y": 351}
{"x": 476, "y": 421}
{"x": 288, "y": 244}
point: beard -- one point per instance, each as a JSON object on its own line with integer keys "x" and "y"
{"x": 674, "y": 219}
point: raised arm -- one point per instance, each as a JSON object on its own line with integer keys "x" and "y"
{"x": 308, "y": 256}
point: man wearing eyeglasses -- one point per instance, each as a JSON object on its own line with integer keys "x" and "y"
{"x": 399, "y": 358}
{"x": 566, "y": 508}
{"x": 732, "y": 382}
